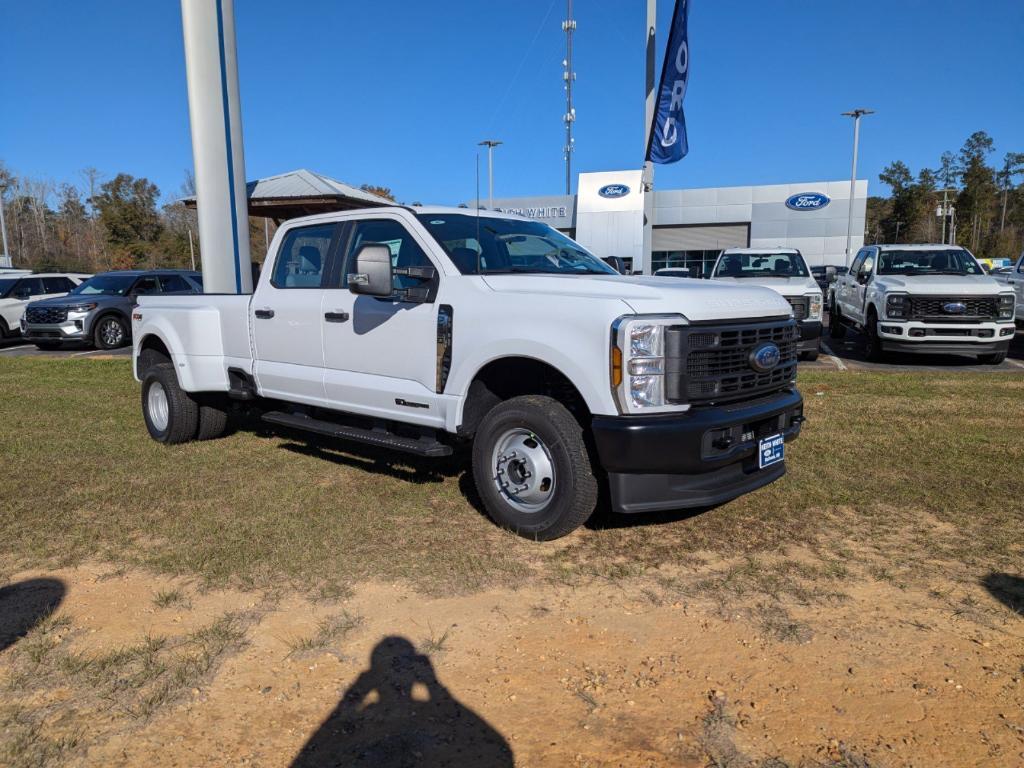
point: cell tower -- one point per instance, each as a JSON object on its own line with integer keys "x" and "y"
{"x": 568, "y": 26}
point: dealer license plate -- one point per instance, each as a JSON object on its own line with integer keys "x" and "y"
{"x": 771, "y": 450}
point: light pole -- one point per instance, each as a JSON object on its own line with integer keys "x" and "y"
{"x": 856, "y": 114}
{"x": 490, "y": 144}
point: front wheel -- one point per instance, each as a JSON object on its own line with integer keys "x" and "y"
{"x": 992, "y": 358}
{"x": 836, "y": 329}
{"x": 532, "y": 468}
{"x": 810, "y": 357}
{"x": 171, "y": 415}
{"x": 110, "y": 333}
{"x": 872, "y": 344}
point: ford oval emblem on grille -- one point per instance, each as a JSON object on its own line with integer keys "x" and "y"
{"x": 764, "y": 357}
{"x": 954, "y": 308}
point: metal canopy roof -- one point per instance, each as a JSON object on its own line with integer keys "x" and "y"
{"x": 302, "y": 193}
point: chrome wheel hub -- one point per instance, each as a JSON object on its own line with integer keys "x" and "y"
{"x": 524, "y": 472}
{"x": 111, "y": 332}
{"x": 156, "y": 404}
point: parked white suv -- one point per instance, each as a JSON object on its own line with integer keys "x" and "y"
{"x": 1013, "y": 278}
{"x": 16, "y": 291}
{"x": 415, "y": 329}
{"x": 785, "y": 272}
{"x": 923, "y": 298}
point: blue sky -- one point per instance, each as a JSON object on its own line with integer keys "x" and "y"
{"x": 398, "y": 93}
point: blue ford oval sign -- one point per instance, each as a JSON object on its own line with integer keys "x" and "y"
{"x": 808, "y": 201}
{"x": 613, "y": 190}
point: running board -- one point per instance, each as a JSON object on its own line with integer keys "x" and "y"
{"x": 421, "y": 446}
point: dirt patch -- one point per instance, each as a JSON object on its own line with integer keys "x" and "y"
{"x": 590, "y": 676}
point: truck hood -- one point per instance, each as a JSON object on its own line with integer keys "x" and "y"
{"x": 940, "y": 285}
{"x": 786, "y": 286}
{"x": 697, "y": 300}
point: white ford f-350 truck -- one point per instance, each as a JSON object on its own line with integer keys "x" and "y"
{"x": 784, "y": 271}
{"x": 420, "y": 329}
{"x": 923, "y": 298}
{"x": 1014, "y": 279}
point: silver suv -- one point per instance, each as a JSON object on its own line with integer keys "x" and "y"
{"x": 99, "y": 310}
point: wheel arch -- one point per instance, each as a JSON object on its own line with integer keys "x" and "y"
{"x": 509, "y": 376}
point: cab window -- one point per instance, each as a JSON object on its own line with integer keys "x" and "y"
{"x": 57, "y": 284}
{"x": 303, "y": 257}
{"x": 174, "y": 284}
{"x": 145, "y": 286}
{"x": 405, "y": 251}
{"x": 855, "y": 267}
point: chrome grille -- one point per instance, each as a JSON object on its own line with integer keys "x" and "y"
{"x": 712, "y": 364}
{"x": 46, "y": 315}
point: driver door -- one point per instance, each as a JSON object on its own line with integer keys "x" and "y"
{"x": 860, "y": 286}
{"x": 380, "y": 354}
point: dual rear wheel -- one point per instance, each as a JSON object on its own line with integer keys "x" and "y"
{"x": 173, "y": 415}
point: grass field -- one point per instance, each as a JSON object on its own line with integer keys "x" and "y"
{"x": 896, "y": 476}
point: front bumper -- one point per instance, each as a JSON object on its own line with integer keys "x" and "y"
{"x": 699, "y": 458}
{"x": 947, "y": 338}
{"x": 810, "y": 335}
{"x": 75, "y": 328}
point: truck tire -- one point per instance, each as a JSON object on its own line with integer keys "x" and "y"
{"x": 836, "y": 329}
{"x": 213, "y": 418}
{"x": 110, "y": 332}
{"x": 4, "y": 332}
{"x": 171, "y": 415}
{"x": 872, "y": 345}
{"x": 811, "y": 356}
{"x": 47, "y": 346}
{"x": 532, "y": 468}
{"x": 992, "y": 358}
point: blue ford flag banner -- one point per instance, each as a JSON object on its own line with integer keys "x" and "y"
{"x": 668, "y": 143}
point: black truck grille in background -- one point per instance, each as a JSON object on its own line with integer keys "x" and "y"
{"x": 799, "y": 305}
{"x": 712, "y": 363}
{"x": 977, "y": 307}
{"x": 46, "y": 315}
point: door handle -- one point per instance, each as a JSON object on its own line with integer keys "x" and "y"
{"x": 264, "y": 314}
{"x": 335, "y": 317}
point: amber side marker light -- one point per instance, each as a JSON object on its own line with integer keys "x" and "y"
{"x": 616, "y": 366}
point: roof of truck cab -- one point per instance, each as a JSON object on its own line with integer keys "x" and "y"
{"x": 429, "y": 210}
{"x": 760, "y": 251}
{"x": 916, "y": 246}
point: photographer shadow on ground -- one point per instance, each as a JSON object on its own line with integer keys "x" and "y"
{"x": 398, "y": 714}
{"x": 1007, "y": 589}
{"x": 24, "y": 604}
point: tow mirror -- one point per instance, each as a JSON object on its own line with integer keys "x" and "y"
{"x": 374, "y": 275}
{"x": 831, "y": 275}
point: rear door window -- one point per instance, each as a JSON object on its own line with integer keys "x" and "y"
{"x": 174, "y": 284}
{"x": 57, "y": 284}
{"x": 302, "y": 259}
{"x": 146, "y": 285}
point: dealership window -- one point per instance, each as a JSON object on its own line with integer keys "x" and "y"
{"x": 699, "y": 263}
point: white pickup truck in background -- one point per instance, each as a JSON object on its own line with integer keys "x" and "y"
{"x": 785, "y": 272}
{"x": 420, "y": 329}
{"x": 1014, "y": 279}
{"x": 926, "y": 299}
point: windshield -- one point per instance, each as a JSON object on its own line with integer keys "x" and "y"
{"x": 486, "y": 245}
{"x": 945, "y": 261}
{"x": 105, "y": 285}
{"x": 761, "y": 265}
{"x": 6, "y": 285}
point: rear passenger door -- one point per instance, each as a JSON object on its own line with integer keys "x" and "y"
{"x": 285, "y": 315}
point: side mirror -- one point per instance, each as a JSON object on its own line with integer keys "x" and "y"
{"x": 831, "y": 275}
{"x": 616, "y": 263}
{"x": 374, "y": 275}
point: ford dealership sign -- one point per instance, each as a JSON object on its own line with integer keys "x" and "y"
{"x": 808, "y": 201}
{"x": 613, "y": 190}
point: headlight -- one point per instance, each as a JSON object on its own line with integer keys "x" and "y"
{"x": 897, "y": 306}
{"x": 82, "y": 307}
{"x": 638, "y": 362}
{"x": 814, "y": 306}
{"x": 1006, "y": 305}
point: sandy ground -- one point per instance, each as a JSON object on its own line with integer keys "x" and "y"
{"x": 600, "y": 676}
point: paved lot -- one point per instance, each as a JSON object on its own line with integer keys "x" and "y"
{"x": 841, "y": 355}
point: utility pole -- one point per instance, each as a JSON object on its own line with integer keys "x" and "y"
{"x": 568, "y": 26}
{"x": 648, "y": 173}
{"x": 856, "y": 114}
{"x": 3, "y": 227}
{"x": 490, "y": 144}
{"x": 191, "y": 249}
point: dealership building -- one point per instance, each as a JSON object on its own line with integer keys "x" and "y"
{"x": 690, "y": 227}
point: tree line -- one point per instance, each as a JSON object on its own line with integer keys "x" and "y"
{"x": 102, "y": 224}
{"x": 979, "y": 205}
